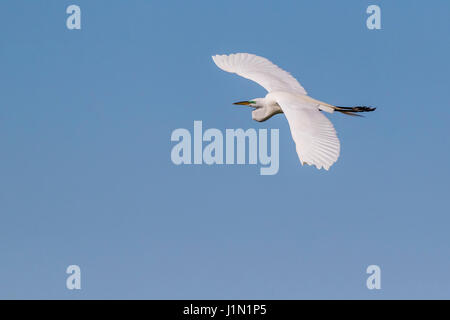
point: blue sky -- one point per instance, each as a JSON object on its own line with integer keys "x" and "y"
{"x": 86, "y": 177}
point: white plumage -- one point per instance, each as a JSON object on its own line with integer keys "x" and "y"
{"x": 314, "y": 135}
{"x": 259, "y": 69}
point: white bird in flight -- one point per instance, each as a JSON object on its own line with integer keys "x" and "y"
{"x": 314, "y": 135}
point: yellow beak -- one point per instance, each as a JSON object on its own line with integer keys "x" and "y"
{"x": 242, "y": 103}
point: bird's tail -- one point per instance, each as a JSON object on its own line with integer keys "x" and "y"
{"x": 353, "y": 111}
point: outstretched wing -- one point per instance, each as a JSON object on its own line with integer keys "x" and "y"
{"x": 314, "y": 135}
{"x": 260, "y": 70}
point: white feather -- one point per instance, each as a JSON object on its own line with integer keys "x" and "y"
{"x": 314, "y": 135}
{"x": 260, "y": 70}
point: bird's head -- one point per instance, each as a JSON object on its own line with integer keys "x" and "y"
{"x": 254, "y": 103}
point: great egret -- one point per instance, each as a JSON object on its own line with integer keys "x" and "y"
{"x": 314, "y": 135}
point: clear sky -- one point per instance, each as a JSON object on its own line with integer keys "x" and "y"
{"x": 86, "y": 176}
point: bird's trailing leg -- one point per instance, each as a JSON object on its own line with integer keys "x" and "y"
{"x": 352, "y": 111}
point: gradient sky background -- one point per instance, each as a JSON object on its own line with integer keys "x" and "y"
{"x": 86, "y": 176}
